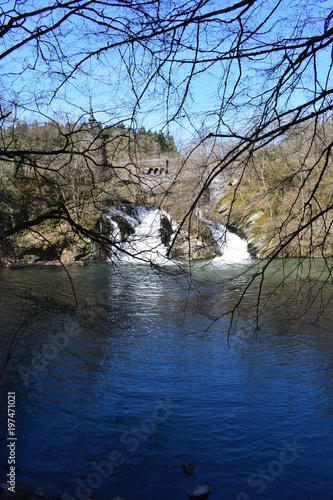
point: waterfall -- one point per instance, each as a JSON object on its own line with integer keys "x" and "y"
{"x": 144, "y": 233}
{"x": 115, "y": 233}
{"x": 139, "y": 232}
{"x": 231, "y": 248}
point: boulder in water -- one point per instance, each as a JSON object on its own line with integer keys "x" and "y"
{"x": 188, "y": 468}
{"x": 200, "y": 492}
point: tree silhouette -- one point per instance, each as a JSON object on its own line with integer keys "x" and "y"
{"x": 248, "y": 84}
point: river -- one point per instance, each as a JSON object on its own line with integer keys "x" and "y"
{"x": 113, "y": 399}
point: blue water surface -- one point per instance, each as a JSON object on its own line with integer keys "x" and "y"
{"x": 113, "y": 397}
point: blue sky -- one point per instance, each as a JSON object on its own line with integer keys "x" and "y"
{"x": 105, "y": 80}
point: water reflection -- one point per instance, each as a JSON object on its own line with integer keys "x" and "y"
{"x": 136, "y": 342}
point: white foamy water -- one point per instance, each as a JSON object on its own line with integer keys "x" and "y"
{"x": 231, "y": 248}
{"x": 146, "y": 243}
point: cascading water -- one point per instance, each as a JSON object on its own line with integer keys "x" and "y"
{"x": 143, "y": 234}
{"x": 231, "y": 248}
{"x": 145, "y": 240}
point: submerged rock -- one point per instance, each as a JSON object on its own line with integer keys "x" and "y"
{"x": 188, "y": 468}
{"x": 200, "y": 492}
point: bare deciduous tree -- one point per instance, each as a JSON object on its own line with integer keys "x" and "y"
{"x": 246, "y": 79}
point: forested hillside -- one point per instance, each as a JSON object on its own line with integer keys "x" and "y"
{"x": 56, "y": 179}
{"x": 282, "y": 194}
{"x": 49, "y": 202}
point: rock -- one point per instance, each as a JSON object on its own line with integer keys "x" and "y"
{"x": 188, "y": 468}
{"x": 75, "y": 252}
{"x": 166, "y": 230}
{"x": 199, "y": 248}
{"x": 200, "y": 492}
